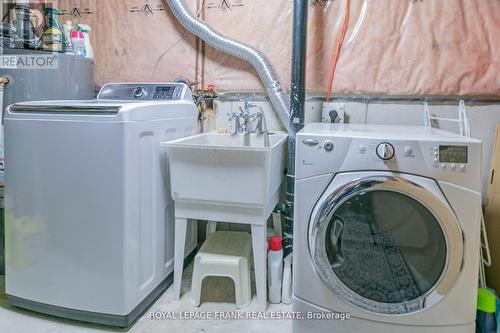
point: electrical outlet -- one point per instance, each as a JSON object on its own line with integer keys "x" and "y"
{"x": 328, "y": 107}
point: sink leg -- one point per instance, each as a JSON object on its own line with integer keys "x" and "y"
{"x": 211, "y": 227}
{"x": 180, "y": 245}
{"x": 259, "y": 246}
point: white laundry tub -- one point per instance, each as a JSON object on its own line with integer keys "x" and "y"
{"x": 225, "y": 169}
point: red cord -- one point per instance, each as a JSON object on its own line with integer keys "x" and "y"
{"x": 340, "y": 41}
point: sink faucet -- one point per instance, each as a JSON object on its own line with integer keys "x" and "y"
{"x": 261, "y": 126}
{"x": 243, "y": 128}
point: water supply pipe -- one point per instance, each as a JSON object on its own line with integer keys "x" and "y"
{"x": 297, "y": 109}
{"x": 4, "y": 81}
{"x": 268, "y": 76}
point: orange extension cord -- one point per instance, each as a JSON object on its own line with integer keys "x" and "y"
{"x": 340, "y": 41}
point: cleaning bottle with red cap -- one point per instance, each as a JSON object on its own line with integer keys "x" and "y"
{"x": 275, "y": 269}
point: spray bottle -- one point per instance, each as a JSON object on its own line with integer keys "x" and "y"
{"x": 86, "y": 33}
{"x": 53, "y": 37}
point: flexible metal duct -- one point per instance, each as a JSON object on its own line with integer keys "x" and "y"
{"x": 257, "y": 59}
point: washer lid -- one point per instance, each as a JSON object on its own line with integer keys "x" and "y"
{"x": 385, "y": 242}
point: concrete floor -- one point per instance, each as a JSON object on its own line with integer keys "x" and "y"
{"x": 217, "y": 295}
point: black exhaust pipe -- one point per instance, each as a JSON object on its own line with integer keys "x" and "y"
{"x": 297, "y": 108}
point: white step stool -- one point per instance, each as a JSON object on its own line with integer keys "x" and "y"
{"x": 184, "y": 215}
{"x": 227, "y": 254}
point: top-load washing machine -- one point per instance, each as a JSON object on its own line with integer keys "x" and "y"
{"x": 89, "y": 216}
{"x": 387, "y": 224}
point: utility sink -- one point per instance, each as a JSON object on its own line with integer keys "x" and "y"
{"x": 226, "y": 178}
{"x": 227, "y": 170}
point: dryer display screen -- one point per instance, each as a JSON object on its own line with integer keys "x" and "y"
{"x": 453, "y": 154}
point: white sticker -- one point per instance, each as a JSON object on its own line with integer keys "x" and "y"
{"x": 296, "y": 120}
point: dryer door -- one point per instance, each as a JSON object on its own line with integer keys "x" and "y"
{"x": 388, "y": 243}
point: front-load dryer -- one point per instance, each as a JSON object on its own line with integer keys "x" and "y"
{"x": 89, "y": 215}
{"x": 386, "y": 233}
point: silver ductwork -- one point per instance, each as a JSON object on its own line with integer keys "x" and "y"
{"x": 266, "y": 72}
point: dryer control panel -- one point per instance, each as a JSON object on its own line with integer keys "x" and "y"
{"x": 142, "y": 91}
{"x": 434, "y": 154}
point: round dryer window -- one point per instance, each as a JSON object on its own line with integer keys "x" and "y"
{"x": 386, "y": 245}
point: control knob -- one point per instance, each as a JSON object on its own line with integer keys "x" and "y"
{"x": 385, "y": 151}
{"x": 139, "y": 92}
{"x": 328, "y": 146}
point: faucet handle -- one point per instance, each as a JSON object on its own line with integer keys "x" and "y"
{"x": 236, "y": 117}
{"x": 232, "y": 115}
{"x": 244, "y": 113}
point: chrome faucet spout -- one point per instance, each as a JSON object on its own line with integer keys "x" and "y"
{"x": 261, "y": 125}
{"x": 244, "y": 128}
{"x": 261, "y": 128}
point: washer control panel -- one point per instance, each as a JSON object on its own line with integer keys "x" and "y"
{"x": 142, "y": 91}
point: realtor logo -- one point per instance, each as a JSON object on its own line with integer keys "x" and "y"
{"x": 29, "y": 61}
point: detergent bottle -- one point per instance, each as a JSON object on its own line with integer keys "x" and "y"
{"x": 275, "y": 269}
{"x": 86, "y": 33}
{"x": 53, "y": 36}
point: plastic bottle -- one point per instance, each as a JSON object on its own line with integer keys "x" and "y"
{"x": 67, "y": 28}
{"x": 78, "y": 43}
{"x": 486, "y": 309}
{"x": 286, "y": 289}
{"x": 275, "y": 269}
{"x": 53, "y": 37}
{"x": 86, "y": 33}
